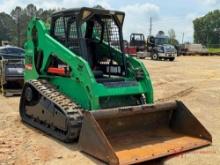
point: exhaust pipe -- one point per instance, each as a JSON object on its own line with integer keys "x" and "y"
{"x": 141, "y": 133}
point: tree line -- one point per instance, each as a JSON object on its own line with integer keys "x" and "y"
{"x": 13, "y": 26}
{"x": 207, "y": 29}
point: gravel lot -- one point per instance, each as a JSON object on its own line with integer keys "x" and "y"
{"x": 195, "y": 80}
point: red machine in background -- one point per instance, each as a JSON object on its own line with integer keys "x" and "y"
{"x": 130, "y": 49}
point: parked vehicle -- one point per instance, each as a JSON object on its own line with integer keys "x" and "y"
{"x": 128, "y": 49}
{"x": 160, "y": 48}
{"x": 156, "y": 47}
{"x": 138, "y": 40}
{"x": 190, "y": 49}
{"x": 11, "y": 70}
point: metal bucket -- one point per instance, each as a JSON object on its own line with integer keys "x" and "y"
{"x": 136, "y": 134}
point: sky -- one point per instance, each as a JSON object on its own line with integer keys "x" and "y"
{"x": 166, "y": 14}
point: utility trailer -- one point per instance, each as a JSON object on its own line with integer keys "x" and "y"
{"x": 193, "y": 49}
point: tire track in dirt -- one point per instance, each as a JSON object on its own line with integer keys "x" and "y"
{"x": 182, "y": 93}
{"x": 159, "y": 84}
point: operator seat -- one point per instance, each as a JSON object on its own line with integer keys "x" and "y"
{"x": 92, "y": 58}
{"x": 91, "y": 50}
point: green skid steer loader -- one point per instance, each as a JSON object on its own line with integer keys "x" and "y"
{"x": 79, "y": 85}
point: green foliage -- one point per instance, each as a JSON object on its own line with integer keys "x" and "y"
{"x": 206, "y": 29}
{"x": 172, "y": 37}
{"x": 214, "y": 50}
{"x": 13, "y": 27}
{"x": 7, "y": 27}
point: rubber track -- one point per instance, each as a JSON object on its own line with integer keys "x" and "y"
{"x": 72, "y": 111}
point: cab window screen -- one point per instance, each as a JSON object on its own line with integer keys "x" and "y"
{"x": 59, "y": 28}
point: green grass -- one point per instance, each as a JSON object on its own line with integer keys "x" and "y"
{"x": 214, "y": 50}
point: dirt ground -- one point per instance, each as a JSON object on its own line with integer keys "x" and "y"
{"x": 194, "y": 80}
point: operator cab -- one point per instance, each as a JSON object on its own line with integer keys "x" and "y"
{"x": 138, "y": 40}
{"x": 96, "y": 36}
